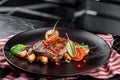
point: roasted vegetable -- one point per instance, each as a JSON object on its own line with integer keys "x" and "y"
{"x": 22, "y": 54}
{"x": 31, "y": 57}
{"x": 43, "y": 59}
{"x": 67, "y": 57}
{"x": 52, "y": 35}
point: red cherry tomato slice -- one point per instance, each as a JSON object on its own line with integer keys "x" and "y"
{"x": 79, "y": 54}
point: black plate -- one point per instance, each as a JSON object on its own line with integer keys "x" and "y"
{"x": 99, "y": 53}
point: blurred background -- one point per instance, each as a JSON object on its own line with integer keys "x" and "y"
{"x": 99, "y": 16}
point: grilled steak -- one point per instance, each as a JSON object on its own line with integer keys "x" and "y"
{"x": 54, "y": 50}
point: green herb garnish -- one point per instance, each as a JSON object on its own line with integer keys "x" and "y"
{"x": 71, "y": 47}
{"x": 83, "y": 46}
{"x": 17, "y": 48}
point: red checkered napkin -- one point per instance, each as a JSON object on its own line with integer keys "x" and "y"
{"x": 108, "y": 70}
{"x": 112, "y": 67}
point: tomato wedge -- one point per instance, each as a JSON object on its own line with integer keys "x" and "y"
{"x": 51, "y": 35}
{"x": 79, "y": 54}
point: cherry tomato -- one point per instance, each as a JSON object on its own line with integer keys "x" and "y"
{"x": 79, "y": 54}
{"x": 51, "y": 35}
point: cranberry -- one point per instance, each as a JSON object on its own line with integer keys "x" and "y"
{"x": 78, "y": 65}
{"x": 84, "y": 61}
{"x": 57, "y": 64}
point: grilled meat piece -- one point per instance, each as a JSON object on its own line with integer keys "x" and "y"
{"x": 54, "y": 50}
